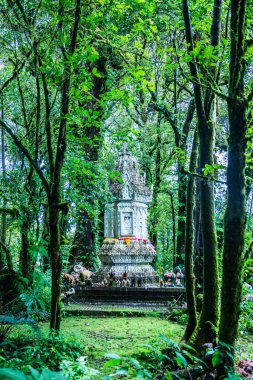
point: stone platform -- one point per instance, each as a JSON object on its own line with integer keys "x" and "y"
{"x": 119, "y": 294}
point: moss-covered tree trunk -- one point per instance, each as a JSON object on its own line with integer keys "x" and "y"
{"x": 189, "y": 243}
{"x": 54, "y": 194}
{"x": 24, "y": 260}
{"x": 182, "y": 185}
{"x": 206, "y": 329}
{"x": 198, "y": 246}
{"x": 157, "y": 184}
{"x": 3, "y": 215}
{"x": 181, "y": 224}
{"x": 235, "y": 215}
{"x": 56, "y": 262}
{"x": 83, "y": 246}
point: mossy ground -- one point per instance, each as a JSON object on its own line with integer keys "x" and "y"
{"x": 122, "y": 335}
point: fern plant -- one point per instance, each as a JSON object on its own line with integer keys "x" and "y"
{"x": 8, "y": 322}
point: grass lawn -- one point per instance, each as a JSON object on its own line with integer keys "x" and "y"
{"x": 122, "y": 335}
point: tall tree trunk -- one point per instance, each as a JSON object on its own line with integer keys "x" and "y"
{"x": 182, "y": 185}
{"x": 24, "y": 253}
{"x": 189, "y": 243}
{"x": 53, "y": 186}
{"x": 5, "y": 254}
{"x": 235, "y": 215}
{"x": 45, "y": 259}
{"x": 173, "y": 225}
{"x": 54, "y": 195}
{"x": 207, "y": 325}
{"x": 56, "y": 262}
{"x": 82, "y": 248}
{"x": 206, "y": 329}
{"x": 198, "y": 244}
{"x": 157, "y": 184}
{"x": 181, "y": 225}
{"x": 3, "y": 215}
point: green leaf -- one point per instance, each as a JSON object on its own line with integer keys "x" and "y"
{"x": 34, "y": 372}
{"x": 224, "y": 41}
{"x": 112, "y": 363}
{"x": 135, "y": 363}
{"x": 96, "y": 73}
{"x": 217, "y": 358}
{"x": 181, "y": 361}
{"x": 190, "y": 348}
{"x": 188, "y": 354}
{"x": 7, "y": 373}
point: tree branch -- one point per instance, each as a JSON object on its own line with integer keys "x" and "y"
{"x": 27, "y": 154}
{"x": 203, "y": 177}
{"x": 10, "y": 211}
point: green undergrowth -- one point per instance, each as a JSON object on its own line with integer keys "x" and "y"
{"x": 125, "y": 335}
{"x": 131, "y": 344}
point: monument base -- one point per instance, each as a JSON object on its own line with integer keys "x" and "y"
{"x": 111, "y": 293}
{"x": 126, "y": 258}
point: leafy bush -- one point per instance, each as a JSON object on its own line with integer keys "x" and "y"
{"x": 33, "y": 301}
{"x": 34, "y": 305}
{"x": 39, "y": 353}
{"x": 46, "y": 374}
{"x": 153, "y": 362}
{"x": 69, "y": 370}
{"x": 75, "y": 370}
{"x": 7, "y": 324}
{"x": 127, "y": 367}
{"x": 221, "y": 357}
{"x": 246, "y": 318}
{"x": 178, "y": 315}
{"x": 11, "y": 285}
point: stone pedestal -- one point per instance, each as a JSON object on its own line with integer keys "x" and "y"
{"x": 130, "y": 256}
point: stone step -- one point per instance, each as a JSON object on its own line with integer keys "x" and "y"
{"x": 113, "y": 293}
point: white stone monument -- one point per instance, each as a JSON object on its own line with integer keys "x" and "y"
{"x": 126, "y": 251}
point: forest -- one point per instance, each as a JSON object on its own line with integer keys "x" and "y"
{"x": 172, "y": 83}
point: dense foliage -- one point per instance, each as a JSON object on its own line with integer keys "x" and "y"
{"x": 171, "y": 80}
